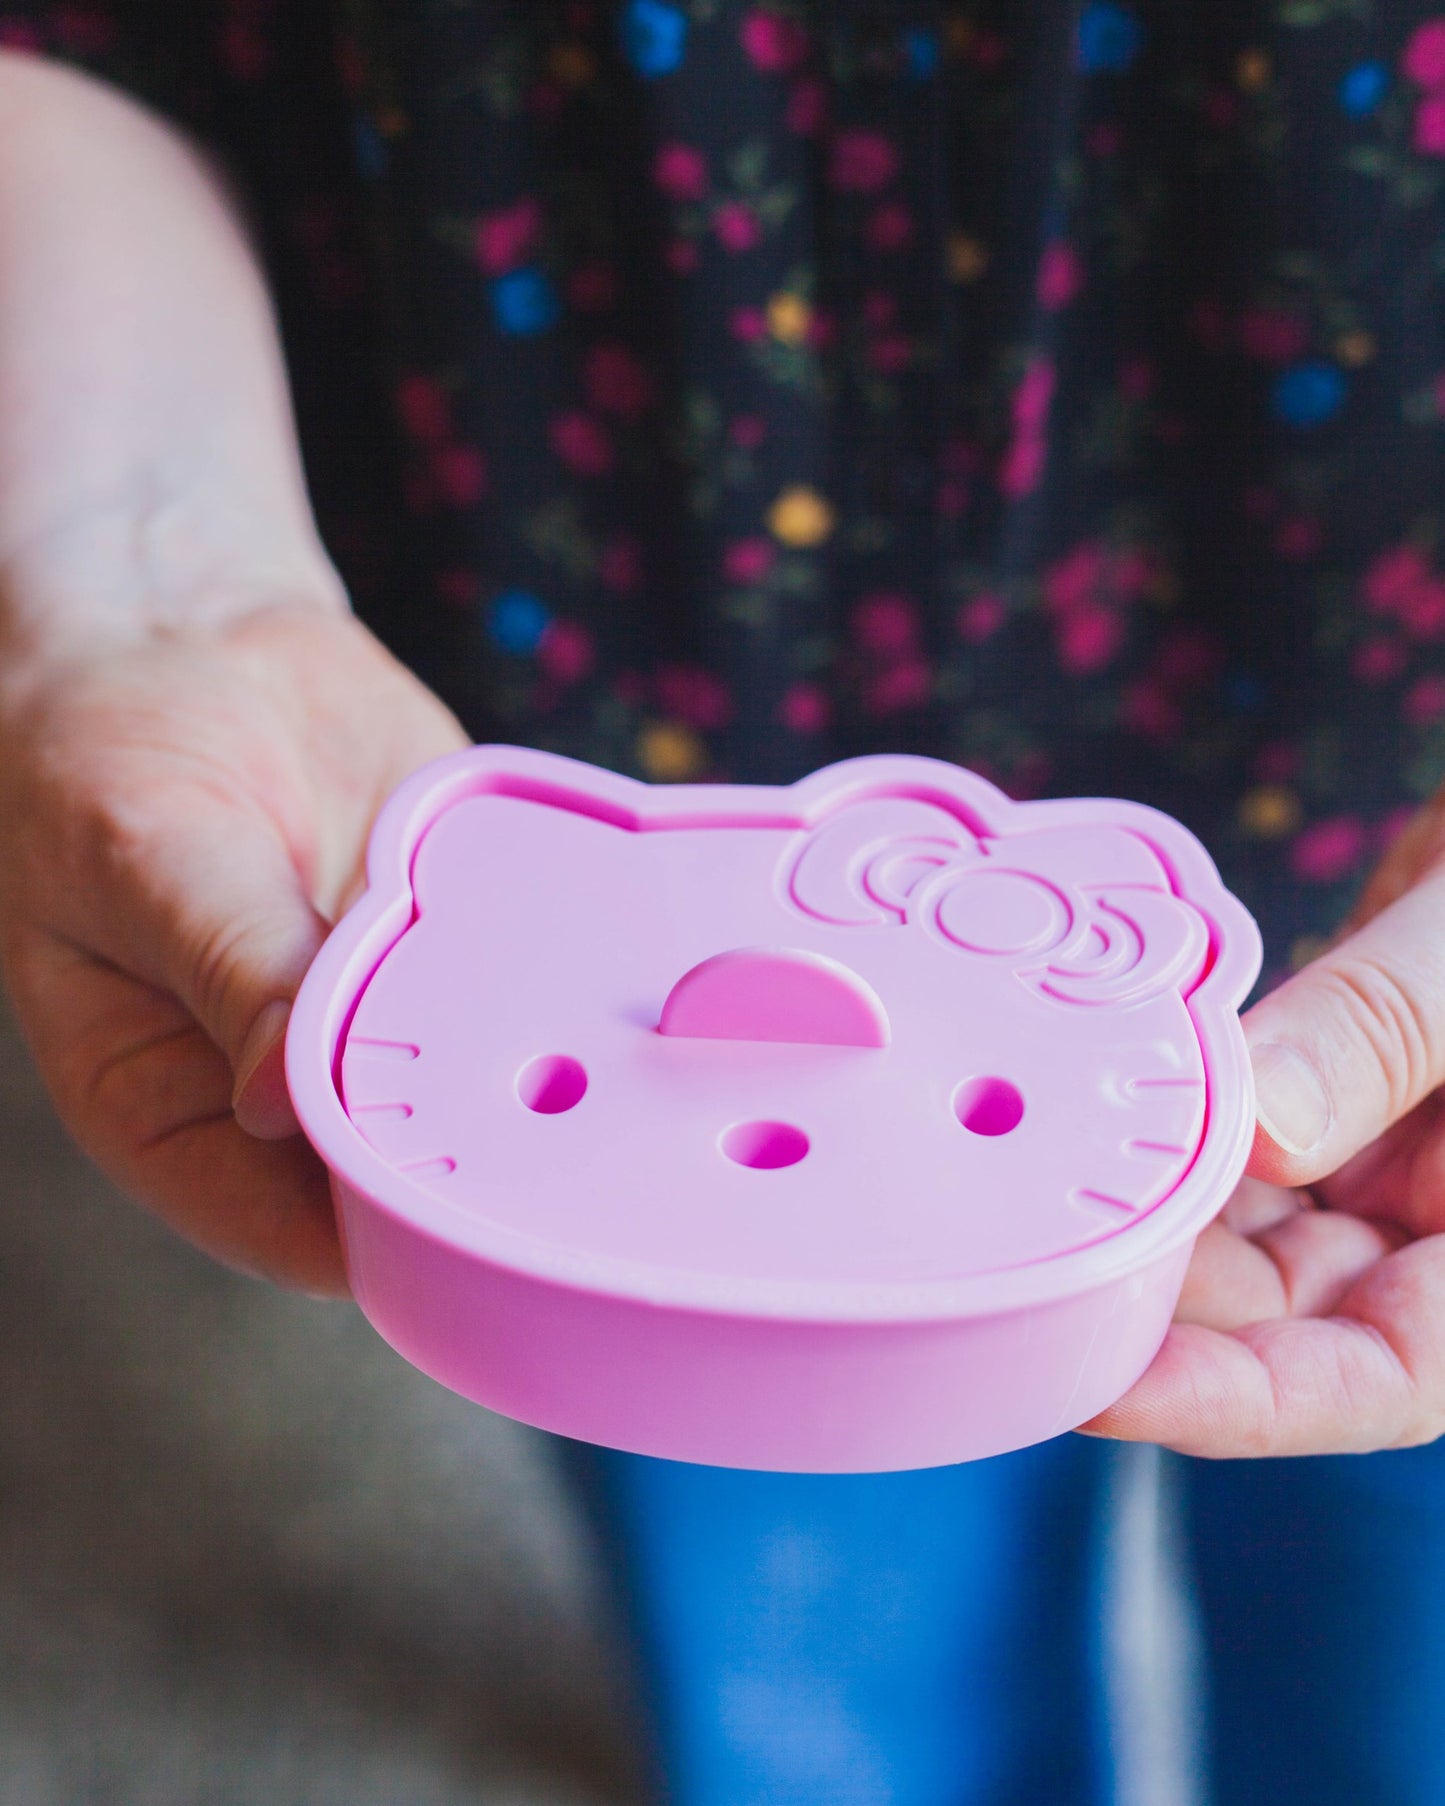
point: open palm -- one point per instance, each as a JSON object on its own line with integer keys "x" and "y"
{"x": 1313, "y": 1316}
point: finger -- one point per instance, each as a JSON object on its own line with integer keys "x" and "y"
{"x": 1371, "y": 1376}
{"x": 1303, "y": 1265}
{"x": 203, "y": 898}
{"x": 146, "y": 1093}
{"x": 1353, "y": 1042}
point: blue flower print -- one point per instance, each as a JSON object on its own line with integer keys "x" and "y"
{"x": 1110, "y": 37}
{"x": 1308, "y": 394}
{"x": 516, "y": 621}
{"x": 370, "y": 148}
{"x": 524, "y": 303}
{"x": 1363, "y": 88}
{"x": 654, "y": 36}
{"x": 921, "y": 53}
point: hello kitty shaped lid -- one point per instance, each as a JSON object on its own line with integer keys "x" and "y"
{"x": 883, "y": 1044}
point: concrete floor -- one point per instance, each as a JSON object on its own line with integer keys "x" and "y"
{"x": 247, "y": 1556}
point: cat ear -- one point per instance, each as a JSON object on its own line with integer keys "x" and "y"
{"x": 862, "y": 866}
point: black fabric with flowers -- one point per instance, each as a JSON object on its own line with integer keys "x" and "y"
{"x": 713, "y": 389}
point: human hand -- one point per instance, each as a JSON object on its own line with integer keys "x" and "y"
{"x": 180, "y": 819}
{"x": 1313, "y": 1316}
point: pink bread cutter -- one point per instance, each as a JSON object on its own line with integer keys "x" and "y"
{"x": 863, "y": 1124}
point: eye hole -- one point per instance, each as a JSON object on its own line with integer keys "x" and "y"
{"x": 764, "y": 1145}
{"x": 552, "y": 1083}
{"x": 988, "y": 1106}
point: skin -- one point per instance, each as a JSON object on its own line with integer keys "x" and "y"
{"x": 195, "y": 736}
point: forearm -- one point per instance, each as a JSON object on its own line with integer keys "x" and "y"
{"x": 149, "y": 475}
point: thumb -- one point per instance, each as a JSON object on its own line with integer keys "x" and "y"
{"x": 220, "y": 917}
{"x": 1352, "y": 1042}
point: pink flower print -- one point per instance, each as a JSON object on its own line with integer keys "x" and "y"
{"x": 681, "y": 257}
{"x": 1378, "y": 661}
{"x": 804, "y": 709}
{"x": 863, "y": 162}
{"x": 680, "y": 171}
{"x": 880, "y": 310}
{"x": 1207, "y": 322}
{"x": 617, "y": 381}
{"x": 460, "y": 475}
{"x": 424, "y": 409}
{"x": 1130, "y": 573}
{"x": 1034, "y": 396}
{"x": 566, "y": 651}
{"x": 1422, "y": 614}
{"x": 986, "y": 49}
{"x": 1393, "y": 577}
{"x": 736, "y": 226}
{"x": 1148, "y": 709}
{"x": 822, "y": 329}
{"x": 582, "y": 443}
{"x": 807, "y": 107}
{"x": 951, "y": 499}
{"x": 889, "y": 227}
{"x": 886, "y": 625}
{"x": 1221, "y": 108}
{"x": 1330, "y": 850}
{"x": 980, "y": 618}
{"x": 748, "y": 431}
{"x": 891, "y": 355}
{"x": 1429, "y": 136}
{"x": 1023, "y": 467}
{"x": 459, "y": 587}
{"x": 1061, "y": 275}
{"x": 903, "y": 686}
{"x": 1278, "y": 763}
{"x": 1424, "y": 58}
{"x": 1075, "y": 580}
{"x": 695, "y": 696}
{"x": 84, "y": 30}
{"x": 1425, "y": 700}
{"x": 748, "y": 324}
{"x": 776, "y": 45}
{"x": 245, "y": 49}
{"x": 1273, "y": 336}
{"x": 1088, "y": 639}
{"x": 620, "y": 567}
{"x": 508, "y": 236}
{"x": 1187, "y": 660}
{"x": 592, "y": 288}
{"x": 748, "y": 560}
{"x": 1298, "y": 537}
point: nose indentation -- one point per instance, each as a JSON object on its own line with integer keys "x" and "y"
{"x": 552, "y": 1083}
{"x": 775, "y": 994}
{"x": 988, "y": 1106}
{"x": 764, "y": 1146}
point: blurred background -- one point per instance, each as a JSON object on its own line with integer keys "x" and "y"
{"x": 249, "y": 1557}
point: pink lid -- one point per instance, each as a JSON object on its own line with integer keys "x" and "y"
{"x": 882, "y": 1046}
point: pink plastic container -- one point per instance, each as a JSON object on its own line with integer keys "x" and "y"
{"x": 864, "y": 1124}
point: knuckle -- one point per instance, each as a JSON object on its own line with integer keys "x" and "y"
{"x": 1383, "y": 1005}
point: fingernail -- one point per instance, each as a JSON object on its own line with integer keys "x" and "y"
{"x": 1290, "y": 1100}
{"x": 263, "y": 1110}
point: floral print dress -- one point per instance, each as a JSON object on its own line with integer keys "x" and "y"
{"x": 711, "y": 389}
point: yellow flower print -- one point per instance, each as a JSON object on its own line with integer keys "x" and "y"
{"x": 670, "y": 753}
{"x": 801, "y": 517}
{"x": 1269, "y": 812}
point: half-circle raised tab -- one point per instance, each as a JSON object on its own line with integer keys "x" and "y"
{"x": 775, "y": 994}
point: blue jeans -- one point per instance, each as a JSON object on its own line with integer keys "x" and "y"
{"x": 932, "y": 1639}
